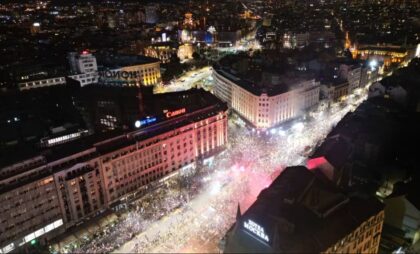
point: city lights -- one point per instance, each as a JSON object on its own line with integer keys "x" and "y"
{"x": 298, "y": 127}
{"x": 373, "y": 64}
{"x": 215, "y": 189}
{"x": 242, "y": 172}
{"x": 154, "y": 126}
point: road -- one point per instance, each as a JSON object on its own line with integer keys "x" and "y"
{"x": 175, "y": 221}
{"x": 194, "y": 219}
{"x": 190, "y": 78}
{"x": 236, "y": 177}
{"x": 186, "y": 81}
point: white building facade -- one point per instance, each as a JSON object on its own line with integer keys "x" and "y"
{"x": 266, "y": 109}
{"x": 223, "y": 86}
{"x": 83, "y": 62}
{"x": 83, "y": 68}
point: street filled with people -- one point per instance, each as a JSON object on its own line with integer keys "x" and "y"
{"x": 191, "y": 211}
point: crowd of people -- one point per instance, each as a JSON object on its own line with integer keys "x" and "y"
{"x": 191, "y": 213}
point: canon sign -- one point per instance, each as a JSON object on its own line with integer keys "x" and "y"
{"x": 119, "y": 74}
{"x": 175, "y": 112}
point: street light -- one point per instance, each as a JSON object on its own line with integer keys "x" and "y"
{"x": 373, "y": 64}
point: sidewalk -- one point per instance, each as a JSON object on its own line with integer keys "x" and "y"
{"x": 82, "y": 233}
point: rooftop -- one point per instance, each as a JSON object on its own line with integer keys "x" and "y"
{"x": 300, "y": 212}
{"x": 115, "y": 61}
{"x": 285, "y": 82}
{"x": 27, "y": 116}
{"x": 384, "y": 48}
{"x": 204, "y": 106}
{"x": 30, "y": 71}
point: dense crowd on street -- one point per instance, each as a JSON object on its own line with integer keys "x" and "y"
{"x": 192, "y": 212}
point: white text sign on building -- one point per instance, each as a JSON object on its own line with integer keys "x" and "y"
{"x": 256, "y": 229}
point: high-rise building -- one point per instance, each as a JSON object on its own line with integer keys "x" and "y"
{"x": 301, "y": 212}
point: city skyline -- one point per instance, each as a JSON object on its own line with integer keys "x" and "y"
{"x": 181, "y": 126}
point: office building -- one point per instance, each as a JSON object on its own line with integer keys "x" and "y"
{"x": 48, "y": 190}
{"x": 272, "y": 100}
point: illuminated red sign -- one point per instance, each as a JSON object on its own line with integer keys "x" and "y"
{"x": 316, "y": 162}
{"x": 175, "y": 112}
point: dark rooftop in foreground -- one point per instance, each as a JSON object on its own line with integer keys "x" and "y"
{"x": 300, "y": 212}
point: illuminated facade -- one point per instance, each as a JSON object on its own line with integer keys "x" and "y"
{"x": 266, "y": 108}
{"x": 134, "y": 70}
{"x": 223, "y": 85}
{"x": 146, "y": 74}
{"x": 28, "y": 212}
{"x": 185, "y": 51}
{"x": 129, "y": 168}
{"x": 188, "y": 20}
{"x": 337, "y": 91}
{"x": 162, "y": 51}
{"x": 46, "y": 194}
{"x": 388, "y": 55}
{"x": 80, "y": 190}
{"x": 363, "y": 239}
